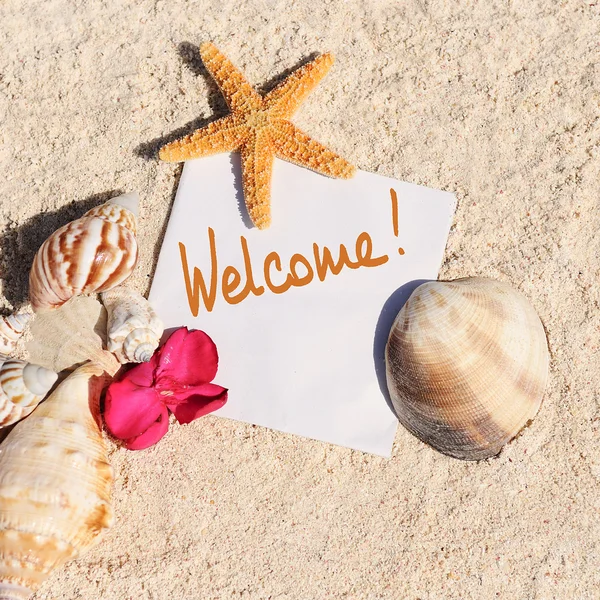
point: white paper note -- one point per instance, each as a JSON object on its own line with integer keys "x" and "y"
{"x": 307, "y": 359}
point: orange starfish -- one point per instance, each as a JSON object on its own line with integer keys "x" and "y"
{"x": 259, "y": 128}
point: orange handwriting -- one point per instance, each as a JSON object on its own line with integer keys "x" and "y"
{"x": 300, "y": 271}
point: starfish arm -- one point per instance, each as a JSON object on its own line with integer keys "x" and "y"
{"x": 238, "y": 93}
{"x": 223, "y": 135}
{"x": 285, "y": 99}
{"x": 257, "y": 169}
{"x": 292, "y": 144}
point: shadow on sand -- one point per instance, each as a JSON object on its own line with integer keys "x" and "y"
{"x": 18, "y": 245}
{"x": 388, "y": 314}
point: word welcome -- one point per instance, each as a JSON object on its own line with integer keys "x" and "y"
{"x": 300, "y": 271}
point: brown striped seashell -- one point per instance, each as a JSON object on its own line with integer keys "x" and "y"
{"x": 65, "y": 338}
{"x": 22, "y": 387}
{"x": 134, "y": 329}
{"x": 11, "y": 329}
{"x": 91, "y": 254}
{"x": 55, "y": 485}
{"x": 466, "y": 365}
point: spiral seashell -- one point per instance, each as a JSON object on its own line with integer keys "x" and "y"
{"x": 91, "y": 254}
{"x": 11, "y": 329}
{"x": 466, "y": 365}
{"x": 22, "y": 387}
{"x": 55, "y": 485}
{"x": 134, "y": 329}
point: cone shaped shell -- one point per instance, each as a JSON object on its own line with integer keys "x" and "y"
{"x": 466, "y": 365}
{"x": 55, "y": 484}
{"x": 91, "y": 254}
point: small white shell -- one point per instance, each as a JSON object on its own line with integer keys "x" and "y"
{"x": 134, "y": 329}
{"x": 55, "y": 485}
{"x": 466, "y": 365}
{"x": 91, "y": 254}
{"x": 22, "y": 387}
{"x": 11, "y": 329}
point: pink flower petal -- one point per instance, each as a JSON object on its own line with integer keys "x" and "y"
{"x": 142, "y": 374}
{"x": 153, "y": 434}
{"x": 188, "y": 357}
{"x": 130, "y": 410}
{"x": 205, "y": 399}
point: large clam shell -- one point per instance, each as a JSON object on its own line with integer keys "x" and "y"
{"x": 466, "y": 365}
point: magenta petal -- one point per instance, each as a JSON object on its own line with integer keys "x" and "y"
{"x": 188, "y": 357}
{"x": 142, "y": 374}
{"x": 205, "y": 399}
{"x": 152, "y": 435}
{"x": 130, "y": 410}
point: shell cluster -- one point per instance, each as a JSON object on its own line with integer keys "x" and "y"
{"x": 466, "y": 365}
{"x": 55, "y": 484}
{"x": 55, "y": 479}
{"x": 91, "y": 254}
{"x": 22, "y": 385}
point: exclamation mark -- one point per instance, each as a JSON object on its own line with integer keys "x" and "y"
{"x": 395, "y": 216}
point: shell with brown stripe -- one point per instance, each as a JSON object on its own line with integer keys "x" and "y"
{"x": 11, "y": 329}
{"x": 92, "y": 254}
{"x": 55, "y": 485}
{"x": 22, "y": 387}
{"x": 466, "y": 365}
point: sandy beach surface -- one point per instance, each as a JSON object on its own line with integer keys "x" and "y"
{"x": 495, "y": 101}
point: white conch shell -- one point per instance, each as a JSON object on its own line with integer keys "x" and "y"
{"x": 466, "y": 365}
{"x": 22, "y": 387}
{"x": 134, "y": 329}
{"x": 91, "y": 254}
{"x": 55, "y": 485}
{"x": 11, "y": 329}
{"x": 71, "y": 335}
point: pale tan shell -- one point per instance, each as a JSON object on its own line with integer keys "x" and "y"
{"x": 55, "y": 485}
{"x": 134, "y": 329}
{"x": 91, "y": 254}
{"x": 71, "y": 335}
{"x": 22, "y": 387}
{"x": 466, "y": 365}
{"x": 11, "y": 329}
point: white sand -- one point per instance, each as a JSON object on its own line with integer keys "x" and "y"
{"x": 496, "y": 101}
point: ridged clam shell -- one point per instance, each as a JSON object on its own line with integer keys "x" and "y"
{"x": 22, "y": 387}
{"x": 70, "y": 336}
{"x": 55, "y": 485}
{"x": 91, "y": 254}
{"x": 134, "y": 329}
{"x": 466, "y": 365}
{"x": 11, "y": 329}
